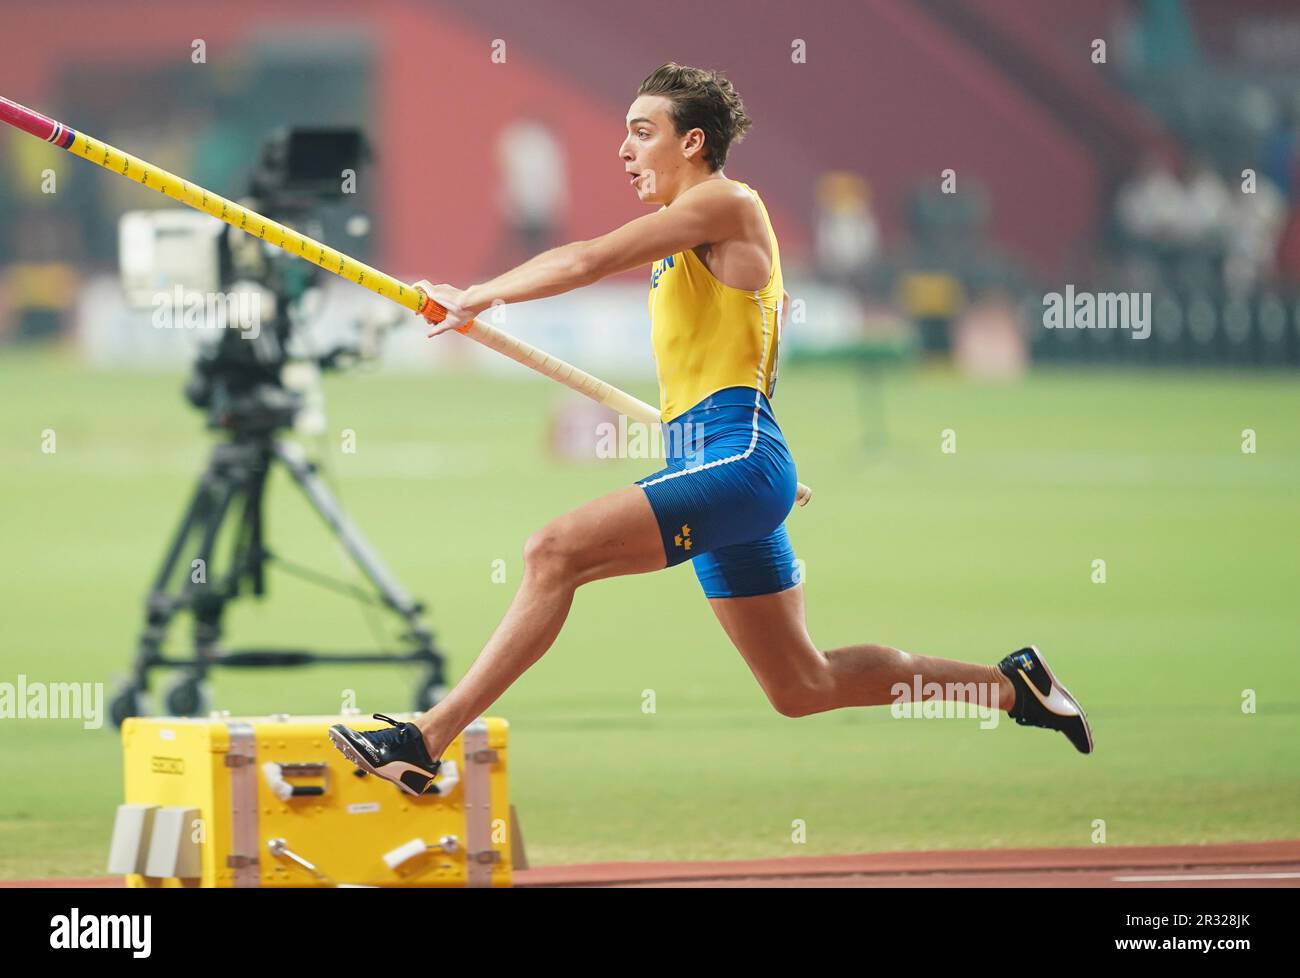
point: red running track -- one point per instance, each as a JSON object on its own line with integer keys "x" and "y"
{"x": 1242, "y": 864}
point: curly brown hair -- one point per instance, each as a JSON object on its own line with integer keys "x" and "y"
{"x": 701, "y": 99}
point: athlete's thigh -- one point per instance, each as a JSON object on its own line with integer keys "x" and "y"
{"x": 759, "y": 565}
{"x": 769, "y": 632}
{"x": 614, "y": 535}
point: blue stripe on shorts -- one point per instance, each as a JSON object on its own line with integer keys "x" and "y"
{"x": 722, "y": 499}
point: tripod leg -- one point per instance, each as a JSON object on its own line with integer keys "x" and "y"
{"x": 394, "y": 595}
{"x": 206, "y": 506}
{"x": 249, "y": 557}
{"x": 238, "y": 468}
{"x": 208, "y": 600}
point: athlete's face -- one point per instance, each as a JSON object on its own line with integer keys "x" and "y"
{"x": 654, "y": 156}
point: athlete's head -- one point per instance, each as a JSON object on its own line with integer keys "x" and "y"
{"x": 679, "y": 129}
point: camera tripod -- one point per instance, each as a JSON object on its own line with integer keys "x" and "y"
{"x": 235, "y": 479}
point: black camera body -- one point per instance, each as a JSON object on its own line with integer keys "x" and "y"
{"x": 299, "y": 172}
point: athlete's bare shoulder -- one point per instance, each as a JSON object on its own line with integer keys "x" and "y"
{"x": 732, "y": 210}
{"x": 720, "y": 191}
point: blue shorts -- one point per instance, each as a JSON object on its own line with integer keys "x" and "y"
{"x": 722, "y": 500}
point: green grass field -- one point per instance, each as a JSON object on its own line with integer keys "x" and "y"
{"x": 965, "y": 555}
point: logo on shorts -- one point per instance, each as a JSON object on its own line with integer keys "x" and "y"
{"x": 683, "y": 539}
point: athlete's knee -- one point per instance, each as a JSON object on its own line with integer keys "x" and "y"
{"x": 794, "y": 707}
{"x": 800, "y": 699}
{"x": 550, "y": 552}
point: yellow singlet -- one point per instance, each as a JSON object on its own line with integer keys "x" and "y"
{"x": 707, "y": 335}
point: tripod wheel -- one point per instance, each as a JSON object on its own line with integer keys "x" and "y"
{"x": 127, "y": 702}
{"x": 188, "y": 696}
{"x": 429, "y": 693}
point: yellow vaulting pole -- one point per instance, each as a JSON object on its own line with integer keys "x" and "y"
{"x": 330, "y": 259}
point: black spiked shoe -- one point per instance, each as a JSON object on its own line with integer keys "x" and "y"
{"x": 398, "y": 754}
{"x": 1041, "y": 701}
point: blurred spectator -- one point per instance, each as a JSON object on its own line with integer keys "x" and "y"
{"x": 847, "y": 235}
{"x": 1147, "y": 207}
{"x": 1176, "y": 231}
{"x": 988, "y": 340}
{"x": 534, "y": 186}
{"x": 40, "y": 224}
{"x": 1203, "y": 217}
{"x": 1254, "y": 225}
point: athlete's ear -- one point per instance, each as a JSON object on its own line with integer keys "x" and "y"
{"x": 694, "y": 143}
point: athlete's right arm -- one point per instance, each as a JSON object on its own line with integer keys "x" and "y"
{"x": 706, "y": 214}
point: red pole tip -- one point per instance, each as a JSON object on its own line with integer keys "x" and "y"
{"x": 25, "y": 119}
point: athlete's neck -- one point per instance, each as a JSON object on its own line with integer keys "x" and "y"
{"x": 705, "y": 178}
